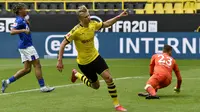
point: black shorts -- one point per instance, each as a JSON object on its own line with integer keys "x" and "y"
{"x": 90, "y": 70}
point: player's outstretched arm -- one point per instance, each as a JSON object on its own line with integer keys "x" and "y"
{"x": 110, "y": 22}
{"x": 60, "y": 65}
{"x": 15, "y": 31}
{"x": 179, "y": 78}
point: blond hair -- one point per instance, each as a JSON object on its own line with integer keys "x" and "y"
{"x": 81, "y": 10}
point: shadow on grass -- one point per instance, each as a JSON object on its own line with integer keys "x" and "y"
{"x": 175, "y": 96}
{"x": 170, "y": 96}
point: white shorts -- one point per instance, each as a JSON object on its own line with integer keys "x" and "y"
{"x": 28, "y": 54}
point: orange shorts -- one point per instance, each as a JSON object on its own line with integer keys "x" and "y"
{"x": 158, "y": 81}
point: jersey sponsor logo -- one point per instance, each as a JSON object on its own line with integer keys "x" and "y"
{"x": 53, "y": 42}
{"x": 6, "y": 24}
{"x": 86, "y": 41}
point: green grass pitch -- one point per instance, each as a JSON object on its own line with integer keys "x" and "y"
{"x": 130, "y": 74}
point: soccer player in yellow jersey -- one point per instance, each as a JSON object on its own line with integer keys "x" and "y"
{"x": 88, "y": 59}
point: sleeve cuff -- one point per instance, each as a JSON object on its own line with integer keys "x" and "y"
{"x": 66, "y": 39}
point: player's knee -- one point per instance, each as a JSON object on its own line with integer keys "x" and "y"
{"x": 108, "y": 79}
{"x": 147, "y": 86}
{"x": 27, "y": 70}
{"x": 95, "y": 86}
{"x": 38, "y": 65}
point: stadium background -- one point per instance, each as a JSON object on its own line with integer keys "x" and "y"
{"x": 150, "y": 25}
{"x": 143, "y": 26}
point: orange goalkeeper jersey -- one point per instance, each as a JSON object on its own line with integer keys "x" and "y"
{"x": 164, "y": 64}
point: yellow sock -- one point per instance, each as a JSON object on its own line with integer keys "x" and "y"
{"x": 115, "y": 102}
{"x": 83, "y": 78}
{"x": 113, "y": 93}
{"x": 79, "y": 75}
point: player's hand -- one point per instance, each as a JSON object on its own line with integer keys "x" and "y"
{"x": 27, "y": 17}
{"x": 26, "y": 31}
{"x": 124, "y": 13}
{"x": 177, "y": 90}
{"x": 60, "y": 66}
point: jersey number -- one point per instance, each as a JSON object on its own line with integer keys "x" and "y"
{"x": 167, "y": 61}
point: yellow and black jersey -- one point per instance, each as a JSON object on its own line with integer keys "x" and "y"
{"x": 84, "y": 41}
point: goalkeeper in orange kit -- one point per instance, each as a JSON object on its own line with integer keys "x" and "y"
{"x": 161, "y": 67}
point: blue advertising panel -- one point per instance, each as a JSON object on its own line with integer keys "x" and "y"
{"x": 110, "y": 45}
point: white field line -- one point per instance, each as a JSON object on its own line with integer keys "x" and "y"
{"x": 54, "y": 64}
{"x": 70, "y": 85}
{"x": 67, "y": 85}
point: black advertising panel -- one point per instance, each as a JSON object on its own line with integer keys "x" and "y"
{"x": 131, "y": 23}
